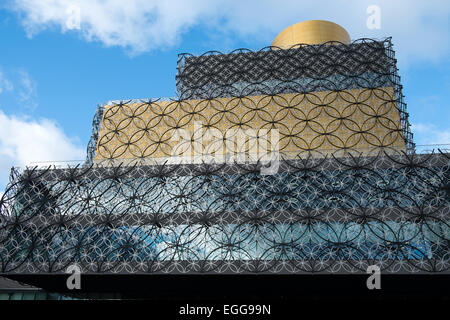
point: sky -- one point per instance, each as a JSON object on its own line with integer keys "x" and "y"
{"x": 59, "y": 59}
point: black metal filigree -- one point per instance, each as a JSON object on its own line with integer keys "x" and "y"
{"x": 349, "y": 190}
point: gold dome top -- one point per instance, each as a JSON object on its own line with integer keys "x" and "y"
{"x": 311, "y": 32}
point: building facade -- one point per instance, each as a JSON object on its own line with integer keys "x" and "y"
{"x": 295, "y": 159}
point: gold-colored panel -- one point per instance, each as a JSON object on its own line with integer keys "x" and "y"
{"x": 323, "y": 122}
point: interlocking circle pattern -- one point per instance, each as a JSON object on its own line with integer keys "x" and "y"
{"x": 349, "y": 190}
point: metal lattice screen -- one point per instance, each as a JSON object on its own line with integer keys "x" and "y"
{"x": 348, "y": 190}
{"x": 314, "y": 215}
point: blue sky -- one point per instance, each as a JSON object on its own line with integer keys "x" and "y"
{"x": 60, "y": 58}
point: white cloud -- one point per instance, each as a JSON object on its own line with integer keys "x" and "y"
{"x": 429, "y": 134}
{"x": 419, "y": 28}
{"x": 24, "y": 141}
{"x": 140, "y": 25}
{"x": 20, "y": 85}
